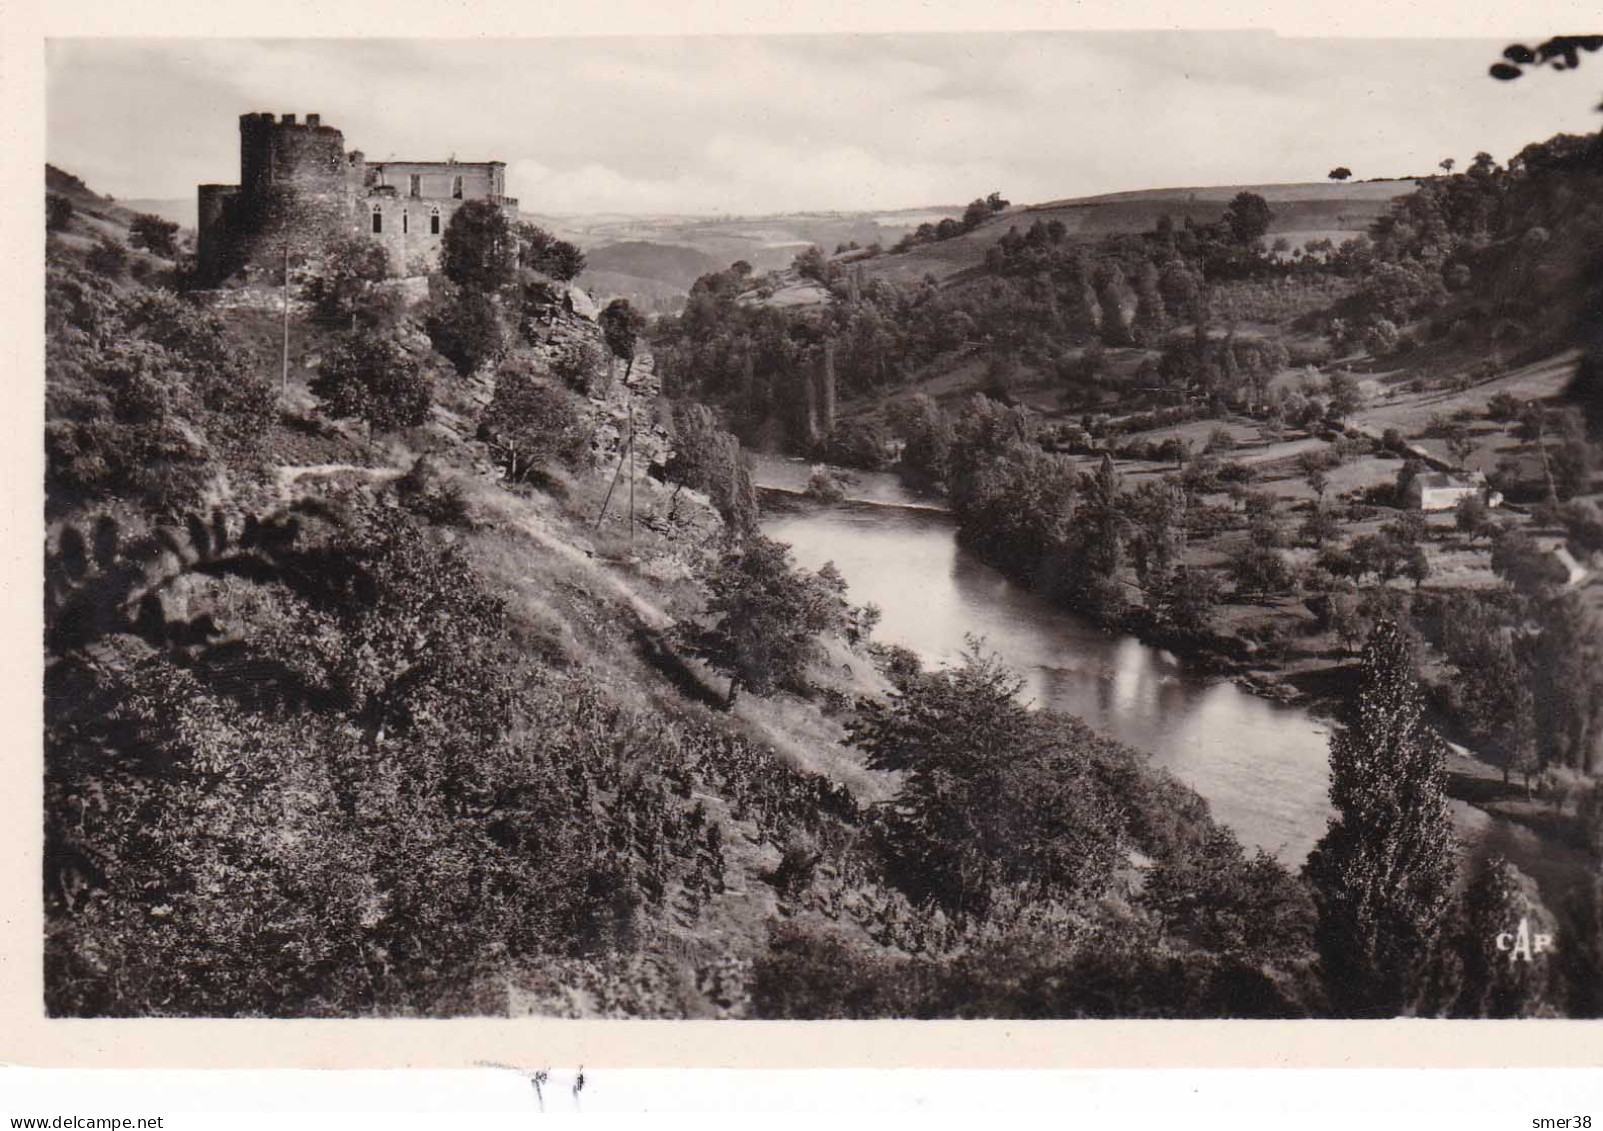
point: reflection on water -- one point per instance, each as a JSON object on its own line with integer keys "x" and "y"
{"x": 1261, "y": 765}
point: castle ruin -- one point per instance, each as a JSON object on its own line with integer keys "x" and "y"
{"x": 299, "y": 189}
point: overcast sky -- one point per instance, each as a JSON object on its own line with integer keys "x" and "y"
{"x": 771, "y": 124}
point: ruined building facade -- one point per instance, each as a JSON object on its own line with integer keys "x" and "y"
{"x": 299, "y": 189}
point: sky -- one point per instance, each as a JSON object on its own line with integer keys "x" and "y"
{"x": 768, "y": 124}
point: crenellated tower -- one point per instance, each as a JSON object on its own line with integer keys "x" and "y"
{"x": 299, "y": 189}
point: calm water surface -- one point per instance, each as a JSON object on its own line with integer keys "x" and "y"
{"x": 1262, "y": 765}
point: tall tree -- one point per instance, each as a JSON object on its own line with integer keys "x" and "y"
{"x": 539, "y": 250}
{"x": 530, "y": 421}
{"x": 1566, "y": 659}
{"x": 1345, "y": 396}
{"x": 1102, "y": 520}
{"x": 621, "y": 326}
{"x": 1181, "y": 294}
{"x": 1151, "y": 316}
{"x": 1110, "y": 297}
{"x": 767, "y": 616}
{"x": 480, "y": 248}
{"x": 706, "y": 458}
{"x": 1248, "y": 217}
{"x": 1383, "y": 872}
{"x": 1494, "y": 981}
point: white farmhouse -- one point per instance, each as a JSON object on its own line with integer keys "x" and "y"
{"x": 1440, "y": 491}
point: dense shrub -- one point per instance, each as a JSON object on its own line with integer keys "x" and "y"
{"x": 992, "y": 794}
{"x": 861, "y": 444}
{"x": 580, "y": 365}
{"x": 154, "y": 234}
{"x": 435, "y": 820}
{"x": 108, "y": 258}
{"x": 373, "y": 378}
{"x": 344, "y": 284}
{"x": 765, "y": 616}
{"x": 58, "y": 212}
{"x": 1261, "y": 571}
{"x": 706, "y": 458}
{"x": 530, "y": 421}
{"x": 145, "y": 394}
{"x": 825, "y": 486}
{"x": 466, "y": 327}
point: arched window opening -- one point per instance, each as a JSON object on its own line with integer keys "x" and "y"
{"x": 434, "y": 222}
{"x": 378, "y": 220}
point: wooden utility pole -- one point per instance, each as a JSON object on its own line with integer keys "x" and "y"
{"x": 629, "y": 390}
{"x": 631, "y": 467}
{"x": 606, "y": 502}
{"x": 284, "y": 379}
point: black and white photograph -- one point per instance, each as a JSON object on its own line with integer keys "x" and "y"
{"x": 994, "y": 525}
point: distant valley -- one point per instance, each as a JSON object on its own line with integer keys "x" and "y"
{"x": 653, "y": 260}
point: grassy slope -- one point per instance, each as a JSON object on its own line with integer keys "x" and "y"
{"x": 1301, "y": 212}
{"x": 95, "y": 216}
{"x": 603, "y": 601}
{"x": 597, "y": 599}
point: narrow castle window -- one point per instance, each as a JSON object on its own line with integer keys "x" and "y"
{"x": 456, "y": 188}
{"x": 378, "y": 220}
{"x": 405, "y": 222}
{"x": 434, "y": 221}
{"x": 414, "y": 184}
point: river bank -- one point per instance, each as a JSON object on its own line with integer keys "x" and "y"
{"x": 1309, "y": 681}
{"x": 1260, "y": 759}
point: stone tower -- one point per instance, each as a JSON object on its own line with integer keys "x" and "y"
{"x": 294, "y": 192}
{"x": 299, "y": 189}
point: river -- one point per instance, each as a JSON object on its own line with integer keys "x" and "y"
{"x": 1263, "y": 766}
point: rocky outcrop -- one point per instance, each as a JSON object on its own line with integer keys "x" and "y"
{"x": 579, "y": 301}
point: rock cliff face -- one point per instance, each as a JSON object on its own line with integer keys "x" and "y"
{"x": 583, "y": 305}
{"x": 611, "y": 412}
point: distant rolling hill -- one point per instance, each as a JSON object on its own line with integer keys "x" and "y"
{"x": 671, "y": 263}
{"x": 86, "y": 202}
{"x": 96, "y": 217}
{"x": 1302, "y": 212}
{"x": 652, "y": 296}
{"x": 653, "y": 259}
{"x": 181, "y": 212}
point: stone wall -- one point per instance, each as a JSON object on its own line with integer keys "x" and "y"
{"x": 412, "y": 229}
{"x": 440, "y": 180}
{"x": 304, "y": 203}
{"x": 299, "y": 190}
{"x": 211, "y": 245}
{"x": 409, "y": 204}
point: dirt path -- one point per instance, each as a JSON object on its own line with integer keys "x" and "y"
{"x": 287, "y": 476}
{"x": 650, "y": 613}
